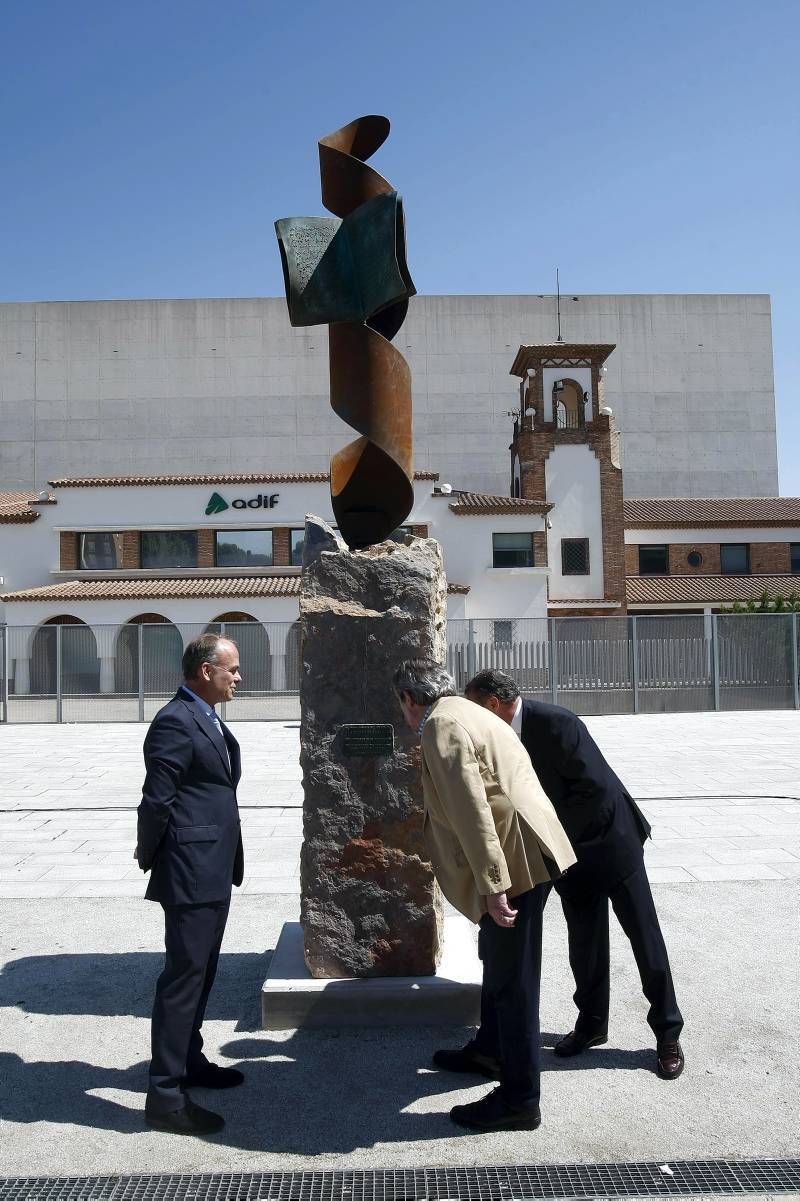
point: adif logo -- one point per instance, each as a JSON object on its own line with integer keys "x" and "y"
{"x": 216, "y": 504}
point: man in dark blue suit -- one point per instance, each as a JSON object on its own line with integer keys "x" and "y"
{"x": 189, "y": 839}
{"x": 607, "y": 831}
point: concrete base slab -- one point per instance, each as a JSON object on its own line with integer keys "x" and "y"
{"x": 291, "y": 998}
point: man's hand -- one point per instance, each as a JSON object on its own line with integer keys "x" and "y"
{"x": 500, "y": 911}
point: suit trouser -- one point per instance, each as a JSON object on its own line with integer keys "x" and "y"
{"x": 512, "y": 965}
{"x": 193, "y": 936}
{"x": 587, "y": 925}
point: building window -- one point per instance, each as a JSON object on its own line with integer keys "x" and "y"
{"x": 168, "y": 548}
{"x": 99, "y": 552}
{"x": 734, "y": 558}
{"x": 503, "y": 633}
{"x": 794, "y": 553}
{"x": 574, "y": 556}
{"x": 296, "y": 540}
{"x": 512, "y": 550}
{"x": 694, "y": 558}
{"x": 653, "y": 560}
{"x": 243, "y": 548}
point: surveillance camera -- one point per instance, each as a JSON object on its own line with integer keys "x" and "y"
{"x": 548, "y": 525}
{"x": 531, "y": 372}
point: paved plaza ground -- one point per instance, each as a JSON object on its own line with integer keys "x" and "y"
{"x": 81, "y": 950}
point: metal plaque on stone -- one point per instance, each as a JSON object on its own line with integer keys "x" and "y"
{"x": 367, "y": 740}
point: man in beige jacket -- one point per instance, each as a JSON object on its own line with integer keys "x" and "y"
{"x": 495, "y": 844}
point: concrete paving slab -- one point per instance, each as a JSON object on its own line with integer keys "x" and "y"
{"x": 76, "y": 985}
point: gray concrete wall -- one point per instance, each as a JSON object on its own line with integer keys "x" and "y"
{"x": 196, "y": 385}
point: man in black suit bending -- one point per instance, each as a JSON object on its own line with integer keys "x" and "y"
{"x": 189, "y": 839}
{"x": 607, "y": 831}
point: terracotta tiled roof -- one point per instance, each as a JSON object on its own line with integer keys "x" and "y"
{"x": 481, "y": 504}
{"x": 160, "y": 589}
{"x": 14, "y": 508}
{"x": 249, "y": 477}
{"x": 598, "y": 603}
{"x": 169, "y": 589}
{"x": 558, "y": 351}
{"x": 706, "y": 589}
{"x": 708, "y": 512}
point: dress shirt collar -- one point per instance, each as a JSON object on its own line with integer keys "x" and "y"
{"x": 516, "y": 720}
{"x": 209, "y": 710}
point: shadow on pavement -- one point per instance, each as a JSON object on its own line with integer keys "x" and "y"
{"x": 123, "y": 985}
{"x": 314, "y": 1091}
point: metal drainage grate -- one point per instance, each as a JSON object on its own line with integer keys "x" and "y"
{"x": 683, "y": 1178}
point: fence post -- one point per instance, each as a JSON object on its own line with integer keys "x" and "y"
{"x": 59, "y": 682}
{"x": 224, "y": 705}
{"x": 553, "y": 662}
{"x": 715, "y": 658}
{"x": 140, "y": 661}
{"x": 635, "y": 663}
{"x": 6, "y": 665}
{"x": 795, "y": 681}
{"x": 470, "y": 649}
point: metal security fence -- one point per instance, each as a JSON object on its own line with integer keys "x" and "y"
{"x": 69, "y": 671}
{"x": 73, "y": 672}
{"x": 669, "y": 664}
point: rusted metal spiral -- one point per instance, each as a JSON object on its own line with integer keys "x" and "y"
{"x": 352, "y": 273}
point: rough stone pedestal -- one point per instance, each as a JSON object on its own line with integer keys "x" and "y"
{"x": 369, "y": 902}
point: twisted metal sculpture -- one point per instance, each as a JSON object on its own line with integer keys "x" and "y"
{"x": 351, "y": 273}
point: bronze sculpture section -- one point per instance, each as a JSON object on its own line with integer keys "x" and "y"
{"x": 351, "y": 272}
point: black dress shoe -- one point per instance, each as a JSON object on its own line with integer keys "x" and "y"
{"x": 192, "y": 1119}
{"x": 468, "y": 1059}
{"x": 494, "y": 1113}
{"x": 578, "y": 1041}
{"x": 669, "y": 1059}
{"x": 211, "y": 1075}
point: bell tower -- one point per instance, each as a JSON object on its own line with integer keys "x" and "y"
{"x": 565, "y": 451}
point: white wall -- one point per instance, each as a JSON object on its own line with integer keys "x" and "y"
{"x": 28, "y": 552}
{"x": 467, "y": 547}
{"x": 572, "y": 481}
{"x": 742, "y": 534}
{"x": 149, "y": 386}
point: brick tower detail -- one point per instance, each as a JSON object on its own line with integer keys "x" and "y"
{"x": 566, "y": 452}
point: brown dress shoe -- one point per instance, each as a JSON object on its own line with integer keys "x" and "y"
{"x": 670, "y": 1060}
{"x": 578, "y": 1041}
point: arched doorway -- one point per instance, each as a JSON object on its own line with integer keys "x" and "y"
{"x": 568, "y": 404}
{"x": 255, "y": 654}
{"x": 153, "y": 639}
{"x": 79, "y": 661}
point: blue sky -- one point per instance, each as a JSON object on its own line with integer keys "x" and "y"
{"x": 644, "y": 147}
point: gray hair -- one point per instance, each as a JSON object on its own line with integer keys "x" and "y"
{"x": 204, "y": 649}
{"x": 424, "y": 680}
{"x": 492, "y": 682}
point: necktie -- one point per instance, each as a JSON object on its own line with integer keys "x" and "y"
{"x": 212, "y": 714}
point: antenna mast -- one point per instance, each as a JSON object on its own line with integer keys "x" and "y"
{"x": 558, "y": 307}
